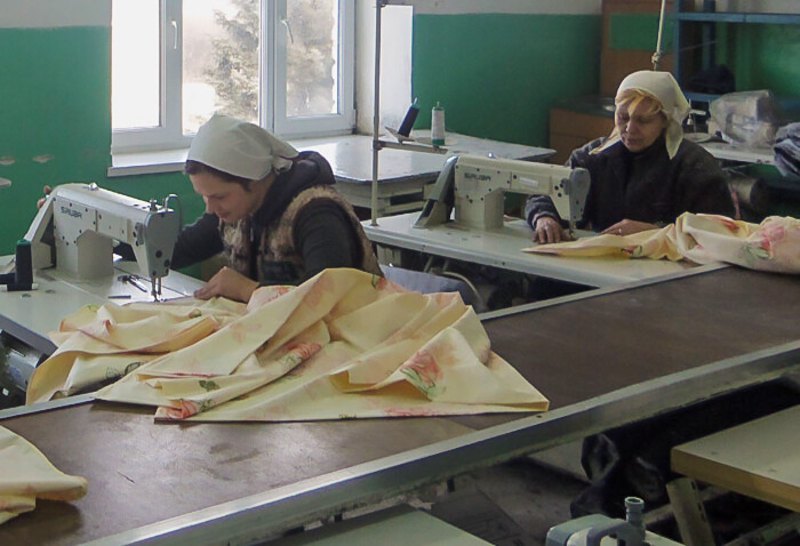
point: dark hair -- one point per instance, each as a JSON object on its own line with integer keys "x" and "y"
{"x": 195, "y": 167}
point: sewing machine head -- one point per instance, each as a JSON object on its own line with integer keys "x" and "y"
{"x": 476, "y": 186}
{"x": 76, "y": 228}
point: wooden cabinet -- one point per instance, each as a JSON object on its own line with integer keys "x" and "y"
{"x": 571, "y": 128}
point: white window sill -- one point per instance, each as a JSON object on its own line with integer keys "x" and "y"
{"x": 130, "y": 164}
{"x": 168, "y": 161}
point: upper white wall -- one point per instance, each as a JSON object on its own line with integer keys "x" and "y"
{"x": 54, "y": 13}
{"x": 557, "y": 7}
{"x": 576, "y": 6}
{"x": 757, "y": 6}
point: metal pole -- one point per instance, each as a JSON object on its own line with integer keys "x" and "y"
{"x": 657, "y": 55}
{"x": 376, "y": 145}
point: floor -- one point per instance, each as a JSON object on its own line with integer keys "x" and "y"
{"x": 513, "y": 504}
{"x": 516, "y": 504}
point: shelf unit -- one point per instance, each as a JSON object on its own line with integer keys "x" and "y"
{"x": 707, "y": 20}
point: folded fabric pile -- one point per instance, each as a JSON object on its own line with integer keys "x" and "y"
{"x": 787, "y": 149}
{"x": 344, "y": 344}
{"x": 773, "y": 245}
{"x": 26, "y": 474}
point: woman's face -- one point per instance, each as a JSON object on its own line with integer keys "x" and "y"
{"x": 639, "y": 129}
{"x": 228, "y": 200}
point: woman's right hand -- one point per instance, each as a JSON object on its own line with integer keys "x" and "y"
{"x": 549, "y": 230}
{"x": 46, "y": 190}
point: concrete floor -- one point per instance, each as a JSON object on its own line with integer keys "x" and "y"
{"x": 513, "y": 504}
{"x": 516, "y": 503}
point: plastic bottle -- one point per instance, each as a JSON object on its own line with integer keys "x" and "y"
{"x": 409, "y": 119}
{"x": 437, "y": 125}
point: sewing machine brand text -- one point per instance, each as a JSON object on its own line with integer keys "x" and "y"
{"x": 71, "y": 212}
{"x": 476, "y": 176}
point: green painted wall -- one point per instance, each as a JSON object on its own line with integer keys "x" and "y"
{"x": 639, "y": 31}
{"x": 497, "y": 75}
{"x": 55, "y": 123}
{"x": 766, "y": 56}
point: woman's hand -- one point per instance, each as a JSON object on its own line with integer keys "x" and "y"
{"x": 46, "y": 190}
{"x": 549, "y": 230}
{"x": 628, "y": 227}
{"x": 228, "y": 284}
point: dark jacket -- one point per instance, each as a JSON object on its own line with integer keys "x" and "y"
{"x": 645, "y": 186}
{"x": 302, "y": 227}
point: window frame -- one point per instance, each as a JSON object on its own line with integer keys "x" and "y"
{"x": 272, "y": 69}
{"x": 344, "y": 119}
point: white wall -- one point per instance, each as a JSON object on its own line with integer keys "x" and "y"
{"x": 54, "y": 13}
{"x": 560, "y": 7}
{"x": 758, "y": 6}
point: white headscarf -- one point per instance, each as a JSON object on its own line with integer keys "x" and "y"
{"x": 240, "y": 148}
{"x": 674, "y": 105}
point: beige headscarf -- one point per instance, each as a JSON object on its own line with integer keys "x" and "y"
{"x": 663, "y": 87}
{"x": 240, "y": 148}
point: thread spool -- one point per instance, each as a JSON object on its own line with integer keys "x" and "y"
{"x": 437, "y": 125}
{"x": 24, "y": 267}
{"x": 408, "y": 120}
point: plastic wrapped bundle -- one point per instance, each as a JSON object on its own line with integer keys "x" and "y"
{"x": 748, "y": 118}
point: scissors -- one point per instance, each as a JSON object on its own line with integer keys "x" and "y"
{"x": 134, "y": 280}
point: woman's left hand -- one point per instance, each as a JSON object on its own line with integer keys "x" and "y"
{"x": 227, "y": 283}
{"x": 628, "y": 227}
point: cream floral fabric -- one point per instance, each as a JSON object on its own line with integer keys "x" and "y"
{"x": 773, "y": 245}
{"x": 345, "y": 344}
{"x": 26, "y": 474}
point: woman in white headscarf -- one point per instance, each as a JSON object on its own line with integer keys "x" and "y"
{"x": 645, "y": 174}
{"x": 271, "y": 210}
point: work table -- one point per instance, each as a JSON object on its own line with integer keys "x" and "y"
{"x": 604, "y": 358}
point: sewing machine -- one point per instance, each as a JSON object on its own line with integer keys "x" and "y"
{"x": 600, "y": 530}
{"x": 76, "y": 227}
{"x": 475, "y": 186}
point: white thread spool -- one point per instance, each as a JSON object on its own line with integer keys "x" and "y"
{"x": 437, "y": 125}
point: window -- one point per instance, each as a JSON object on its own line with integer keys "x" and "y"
{"x": 285, "y": 64}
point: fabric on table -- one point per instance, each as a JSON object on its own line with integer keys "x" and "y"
{"x": 26, "y": 474}
{"x": 344, "y": 344}
{"x": 100, "y": 344}
{"x": 773, "y": 245}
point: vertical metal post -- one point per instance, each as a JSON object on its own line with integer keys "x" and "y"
{"x": 690, "y": 514}
{"x": 376, "y": 146}
{"x": 657, "y": 55}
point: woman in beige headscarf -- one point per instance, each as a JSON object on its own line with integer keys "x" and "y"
{"x": 272, "y": 211}
{"x": 645, "y": 174}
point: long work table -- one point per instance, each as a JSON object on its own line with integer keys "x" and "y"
{"x": 604, "y": 358}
